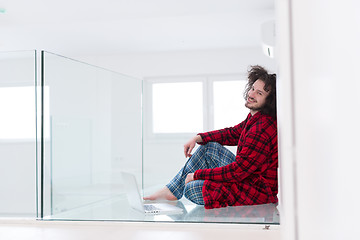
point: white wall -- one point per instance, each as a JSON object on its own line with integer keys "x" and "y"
{"x": 319, "y": 84}
{"x": 222, "y": 61}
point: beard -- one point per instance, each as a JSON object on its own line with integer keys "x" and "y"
{"x": 254, "y": 106}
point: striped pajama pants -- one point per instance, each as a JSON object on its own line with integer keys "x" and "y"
{"x": 210, "y": 155}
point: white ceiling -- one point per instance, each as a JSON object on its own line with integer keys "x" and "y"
{"x": 117, "y": 26}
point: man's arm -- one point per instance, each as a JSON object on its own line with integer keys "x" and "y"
{"x": 226, "y": 136}
{"x": 249, "y": 160}
{"x": 254, "y": 153}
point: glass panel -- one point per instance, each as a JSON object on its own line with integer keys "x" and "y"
{"x": 17, "y": 134}
{"x": 229, "y": 103}
{"x": 173, "y": 103}
{"x": 94, "y": 121}
{"x": 95, "y": 127}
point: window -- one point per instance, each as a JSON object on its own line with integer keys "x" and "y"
{"x": 229, "y": 104}
{"x": 184, "y": 105}
{"x": 177, "y": 107}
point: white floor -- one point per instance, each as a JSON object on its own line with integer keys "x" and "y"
{"x": 41, "y": 230}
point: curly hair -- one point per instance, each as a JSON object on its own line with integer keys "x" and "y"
{"x": 255, "y": 73}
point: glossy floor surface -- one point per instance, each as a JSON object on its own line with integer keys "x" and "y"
{"x": 118, "y": 209}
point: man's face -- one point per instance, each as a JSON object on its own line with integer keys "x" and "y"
{"x": 256, "y": 97}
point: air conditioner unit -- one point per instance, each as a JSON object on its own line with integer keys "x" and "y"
{"x": 268, "y": 37}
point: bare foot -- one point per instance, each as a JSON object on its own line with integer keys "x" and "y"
{"x": 162, "y": 194}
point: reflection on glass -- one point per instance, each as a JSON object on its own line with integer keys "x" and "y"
{"x": 177, "y": 107}
{"x": 229, "y": 103}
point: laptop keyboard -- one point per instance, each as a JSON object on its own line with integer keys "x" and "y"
{"x": 151, "y": 208}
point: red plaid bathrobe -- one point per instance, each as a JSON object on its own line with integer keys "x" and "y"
{"x": 252, "y": 178}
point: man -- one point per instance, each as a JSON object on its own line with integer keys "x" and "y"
{"x": 213, "y": 176}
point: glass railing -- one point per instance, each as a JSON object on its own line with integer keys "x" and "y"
{"x": 89, "y": 131}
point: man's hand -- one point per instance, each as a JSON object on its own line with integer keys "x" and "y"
{"x": 189, "y": 146}
{"x": 189, "y": 178}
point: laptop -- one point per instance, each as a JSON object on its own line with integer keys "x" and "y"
{"x": 137, "y": 203}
